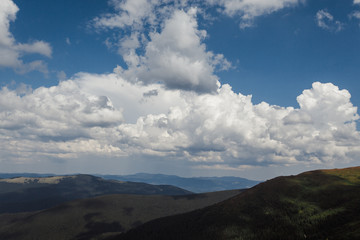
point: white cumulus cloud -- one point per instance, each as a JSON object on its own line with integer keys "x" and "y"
{"x": 167, "y": 103}
{"x": 11, "y": 51}
{"x": 176, "y": 57}
{"x": 60, "y": 122}
{"x": 228, "y": 128}
{"x": 55, "y": 113}
{"x": 107, "y": 116}
{"x": 172, "y": 51}
{"x": 135, "y": 99}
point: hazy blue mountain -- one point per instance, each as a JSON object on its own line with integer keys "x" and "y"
{"x": 194, "y": 184}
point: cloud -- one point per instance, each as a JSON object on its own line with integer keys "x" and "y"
{"x": 128, "y": 13}
{"x": 128, "y": 44}
{"x": 11, "y": 51}
{"x": 69, "y": 122}
{"x": 67, "y": 40}
{"x": 167, "y": 103}
{"x": 355, "y": 14}
{"x": 36, "y": 65}
{"x": 134, "y": 99}
{"x": 326, "y": 21}
{"x": 135, "y": 14}
{"x": 250, "y": 9}
{"x": 356, "y": 1}
{"x": 56, "y": 124}
{"x": 61, "y": 75}
{"x": 226, "y": 128}
{"x": 174, "y": 55}
{"x": 61, "y": 112}
{"x": 39, "y": 47}
{"x": 150, "y": 93}
{"x": 108, "y": 116}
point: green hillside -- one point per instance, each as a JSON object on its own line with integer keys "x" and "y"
{"x": 101, "y": 217}
{"x": 323, "y": 204}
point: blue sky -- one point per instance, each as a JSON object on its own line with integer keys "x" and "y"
{"x": 238, "y": 87}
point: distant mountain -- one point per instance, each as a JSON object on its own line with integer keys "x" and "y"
{"x": 14, "y": 175}
{"x": 322, "y": 204}
{"x": 195, "y": 184}
{"x": 31, "y": 194}
{"x": 101, "y": 217}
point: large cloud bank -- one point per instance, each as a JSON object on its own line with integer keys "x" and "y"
{"x": 168, "y": 102}
{"x": 222, "y": 129}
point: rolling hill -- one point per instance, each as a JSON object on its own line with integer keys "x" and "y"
{"x": 24, "y": 194}
{"x": 323, "y": 204}
{"x": 101, "y": 217}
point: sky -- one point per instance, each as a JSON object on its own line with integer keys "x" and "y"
{"x": 248, "y": 88}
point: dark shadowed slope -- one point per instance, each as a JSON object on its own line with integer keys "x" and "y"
{"x": 31, "y": 194}
{"x": 99, "y": 217}
{"x": 322, "y": 204}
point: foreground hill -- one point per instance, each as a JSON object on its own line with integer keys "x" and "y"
{"x": 30, "y": 194}
{"x": 193, "y": 184}
{"x": 100, "y": 217}
{"x": 322, "y": 204}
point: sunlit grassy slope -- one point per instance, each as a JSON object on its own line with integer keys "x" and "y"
{"x": 323, "y": 204}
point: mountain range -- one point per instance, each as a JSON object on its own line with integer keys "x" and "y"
{"x": 193, "y": 184}
{"x": 321, "y": 204}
